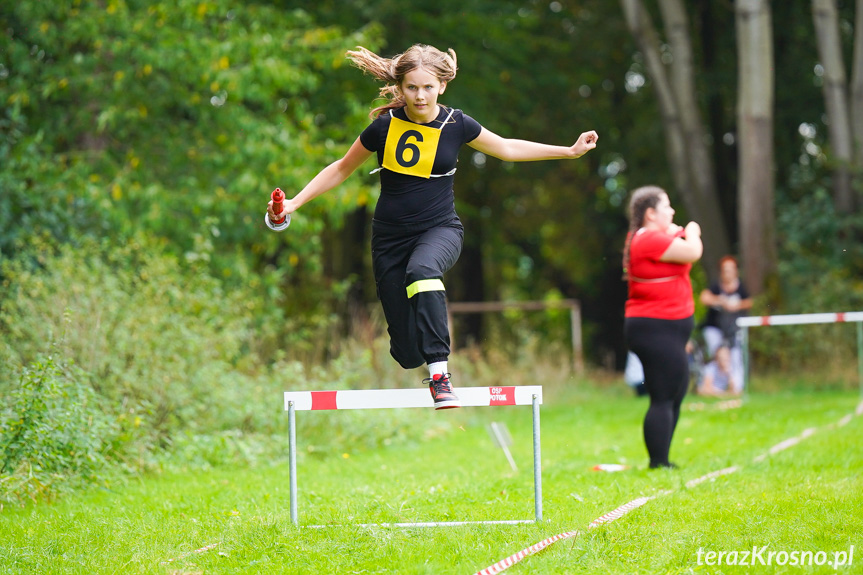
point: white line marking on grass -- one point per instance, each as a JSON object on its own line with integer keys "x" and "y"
{"x": 184, "y": 555}
{"x": 711, "y": 475}
{"x": 504, "y": 564}
{"x": 783, "y": 445}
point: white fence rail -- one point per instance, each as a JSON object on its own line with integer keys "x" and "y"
{"x": 744, "y": 323}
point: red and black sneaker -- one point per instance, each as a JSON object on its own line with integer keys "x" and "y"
{"x": 441, "y": 391}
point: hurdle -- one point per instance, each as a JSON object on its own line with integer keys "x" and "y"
{"x": 744, "y": 323}
{"x": 415, "y": 398}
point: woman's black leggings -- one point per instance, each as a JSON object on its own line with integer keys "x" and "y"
{"x": 660, "y": 344}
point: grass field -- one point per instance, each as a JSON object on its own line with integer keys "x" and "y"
{"x": 808, "y": 497}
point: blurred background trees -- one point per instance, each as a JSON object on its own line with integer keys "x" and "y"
{"x": 171, "y": 121}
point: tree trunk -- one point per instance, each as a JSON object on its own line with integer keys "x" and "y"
{"x": 857, "y": 90}
{"x": 826, "y": 20}
{"x": 686, "y": 147}
{"x": 755, "y": 132}
{"x": 700, "y": 165}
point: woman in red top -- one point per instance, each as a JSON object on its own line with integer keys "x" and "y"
{"x": 656, "y": 262}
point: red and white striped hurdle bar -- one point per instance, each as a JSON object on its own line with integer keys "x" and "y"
{"x": 409, "y": 398}
{"x": 801, "y": 319}
{"x": 413, "y": 398}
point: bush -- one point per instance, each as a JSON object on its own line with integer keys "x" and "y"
{"x": 178, "y": 361}
{"x": 820, "y": 264}
{"x": 160, "y": 343}
{"x": 55, "y": 431}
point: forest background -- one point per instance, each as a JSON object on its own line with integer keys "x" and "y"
{"x": 143, "y": 295}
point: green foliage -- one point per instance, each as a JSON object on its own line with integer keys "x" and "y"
{"x": 820, "y": 258}
{"x": 39, "y": 199}
{"x": 178, "y": 119}
{"x": 182, "y": 364}
{"x": 54, "y": 430}
{"x": 149, "y": 336}
{"x": 820, "y": 254}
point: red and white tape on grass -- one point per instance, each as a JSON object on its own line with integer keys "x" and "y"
{"x": 513, "y": 559}
{"x": 623, "y": 510}
{"x": 504, "y": 564}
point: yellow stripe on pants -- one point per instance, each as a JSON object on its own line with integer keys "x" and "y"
{"x": 424, "y": 285}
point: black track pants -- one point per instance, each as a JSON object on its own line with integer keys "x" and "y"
{"x": 660, "y": 344}
{"x": 409, "y": 266}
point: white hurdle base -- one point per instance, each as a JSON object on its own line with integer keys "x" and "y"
{"x": 414, "y": 398}
{"x": 426, "y": 524}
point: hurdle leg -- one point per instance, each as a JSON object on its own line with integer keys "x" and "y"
{"x": 744, "y": 332}
{"x": 860, "y": 357}
{"x": 537, "y": 466}
{"x": 292, "y": 458}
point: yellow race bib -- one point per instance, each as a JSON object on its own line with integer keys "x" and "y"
{"x": 410, "y": 148}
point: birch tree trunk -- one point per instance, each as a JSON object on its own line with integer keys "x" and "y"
{"x": 755, "y": 135}
{"x": 686, "y": 144}
{"x": 826, "y": 20}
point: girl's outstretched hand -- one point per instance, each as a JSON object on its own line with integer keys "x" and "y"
{"x": 585, "y": 143}
{"x": 286, "y": 211}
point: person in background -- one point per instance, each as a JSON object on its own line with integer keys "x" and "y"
{"x": 726, "y": 299}
{"x": 657, "y": 258}
{"x": 718, "y": 378}
{"x": 416, "y": 234}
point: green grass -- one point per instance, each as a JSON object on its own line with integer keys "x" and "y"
{"x": 808, "y": 497}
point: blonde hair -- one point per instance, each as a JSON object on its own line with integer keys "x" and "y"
{"x": 392, "y": 71}
{"x": 642, "y": 198}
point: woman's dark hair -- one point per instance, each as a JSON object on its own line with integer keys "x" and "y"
{"x": 642, "y": 198}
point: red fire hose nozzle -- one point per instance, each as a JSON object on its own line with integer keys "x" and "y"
{"x": 278, "y": 205}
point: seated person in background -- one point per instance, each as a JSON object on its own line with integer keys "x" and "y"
{"x": 727, "y": 300}
{"x": 719, "y": 379}
{"x": 696, "y": 363}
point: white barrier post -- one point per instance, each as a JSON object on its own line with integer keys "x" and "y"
{"x": 802, "y": 319}
{"x": 411, "y": 398}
